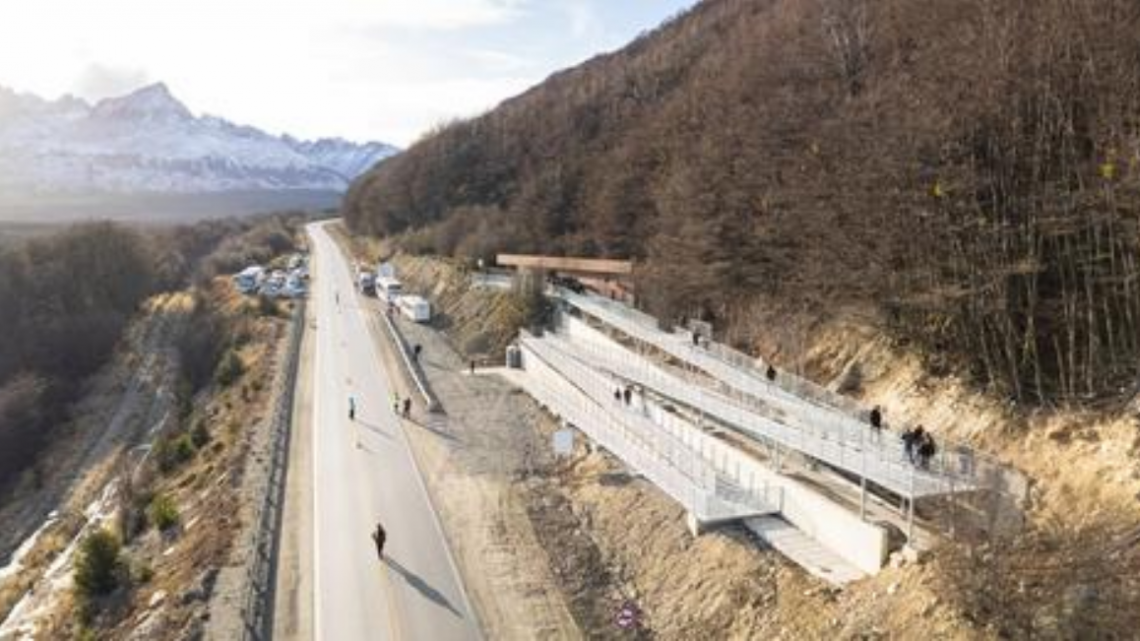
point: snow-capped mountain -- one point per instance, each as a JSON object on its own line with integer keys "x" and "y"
{"x": 148, "y": 141}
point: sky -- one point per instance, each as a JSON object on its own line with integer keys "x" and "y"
{"x": 385, "y": 70}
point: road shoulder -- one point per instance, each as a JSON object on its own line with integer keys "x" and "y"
{"x": 293, "y": 596}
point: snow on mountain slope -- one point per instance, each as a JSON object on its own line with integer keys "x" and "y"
{"x": 148, "y": 141}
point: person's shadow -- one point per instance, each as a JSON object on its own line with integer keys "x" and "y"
{"x": 422, "y": 586}
{"x": 374, "y": 429}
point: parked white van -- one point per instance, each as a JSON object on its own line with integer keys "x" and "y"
{"x": 388, "y": 288}
{"x": 249, "y": 279}
{"x": 415, "y": 308}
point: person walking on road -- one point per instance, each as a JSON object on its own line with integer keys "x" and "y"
{"x": 379, "y": 537}
{"x": 396, "y": 403}
{"x": 407, "y": 407}
{"x": 351, "y": 408}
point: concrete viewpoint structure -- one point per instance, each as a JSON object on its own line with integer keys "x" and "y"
{"x": 814, "y": 479}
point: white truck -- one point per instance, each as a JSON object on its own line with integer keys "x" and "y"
{"x": 388, "y": 288}
{"x": 366, "y": 282}
{"x": 415, "y": 308}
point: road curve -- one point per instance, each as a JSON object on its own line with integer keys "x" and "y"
{"x": 363, "y": 471}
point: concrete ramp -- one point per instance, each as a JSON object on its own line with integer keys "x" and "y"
{"x": 803, "y": 550}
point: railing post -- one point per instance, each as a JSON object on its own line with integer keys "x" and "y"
{"x": 910, "y": 513}
{"x": 863, "y": 480}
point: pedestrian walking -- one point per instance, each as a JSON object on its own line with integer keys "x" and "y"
{"x": 473, "y": 367}
{"x": 416, "y": 352}
{"x": 407, "y": 407}
{"x": 876, "y": 417}
{"x": 912, "y": 439}
{"x": 351, "y": 408}
{"x": 627, "y": 394}
{"x": 379, "y": 537}
{"x": 926, "y": 451}
{"x": 696, "y": 339}
{"x": 617, "y": 394}
{"x": 771, "y": 373}
{"x": 396, "y": 403}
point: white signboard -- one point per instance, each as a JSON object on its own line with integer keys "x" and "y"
{"x": 564, "y": 442}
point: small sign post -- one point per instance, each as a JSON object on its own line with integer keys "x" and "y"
{"x": 564, "y": 442}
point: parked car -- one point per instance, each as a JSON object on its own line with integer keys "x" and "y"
{"x": 250, "y": 279}
{"x": 366, "y": 282}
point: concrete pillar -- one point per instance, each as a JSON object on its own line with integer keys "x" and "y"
{"x": 693, "y": 524}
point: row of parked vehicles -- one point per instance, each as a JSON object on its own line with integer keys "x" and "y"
{"x": 384, "y": 285}
{"x": 291, "y": 282}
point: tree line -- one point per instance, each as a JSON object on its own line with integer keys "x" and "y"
{"x": 67, "y": 298}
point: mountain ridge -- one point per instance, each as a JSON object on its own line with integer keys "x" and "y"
{"x": 147, "y": 141}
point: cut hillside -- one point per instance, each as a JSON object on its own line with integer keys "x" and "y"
{"x": 157, "y": 450}
{"x": 964, "y": 173}
{"x": 929, "y": 206}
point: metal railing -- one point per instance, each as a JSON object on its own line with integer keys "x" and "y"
{"x": 786, "y": 380}
{"x": 805, "y": 428}
{"x": 257, "y": 604}
{"x": 410, "y": 365}
{"x": 584, "y": 397}
{"x": 974, "y": 485}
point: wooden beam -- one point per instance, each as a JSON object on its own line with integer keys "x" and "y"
{"x": 562, "y": 263}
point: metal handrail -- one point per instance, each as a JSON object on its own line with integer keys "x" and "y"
{"x": 959, "y": 466}
{"x": 815, "y": 435}
{"x": 663, "y": 456}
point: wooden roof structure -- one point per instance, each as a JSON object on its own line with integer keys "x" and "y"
{"x": 597, "y": 266}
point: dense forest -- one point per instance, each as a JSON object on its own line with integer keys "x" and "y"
{"x": 967, "y": 169}
{"x": 66, "y": 299}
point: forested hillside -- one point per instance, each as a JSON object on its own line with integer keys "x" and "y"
{"x": 66, "y": 299}
{"x": 967, "y": 170}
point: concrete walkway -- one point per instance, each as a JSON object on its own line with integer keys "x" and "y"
{"x": 777, "y": 416}
{"x": 803, "y": 550}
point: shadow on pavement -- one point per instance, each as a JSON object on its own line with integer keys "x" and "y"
{"x": 422, "y": 586}
{"x": 374, "y": 429}
{"x": 432, "y": 428}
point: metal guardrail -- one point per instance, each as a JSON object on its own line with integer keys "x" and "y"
{"x": 659, "y": 451}
{"x": 976, "y": 485}
{"x": 257, "y": 605}
{"x": 412, "y": 367}
{"x": 788, "y": 381}
{"x": 821, "y": 432}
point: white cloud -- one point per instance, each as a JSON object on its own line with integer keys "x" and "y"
{"x": 380, "y": 69}
{"x": 584, "y": 18}
{"x": 98, "y": 81}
